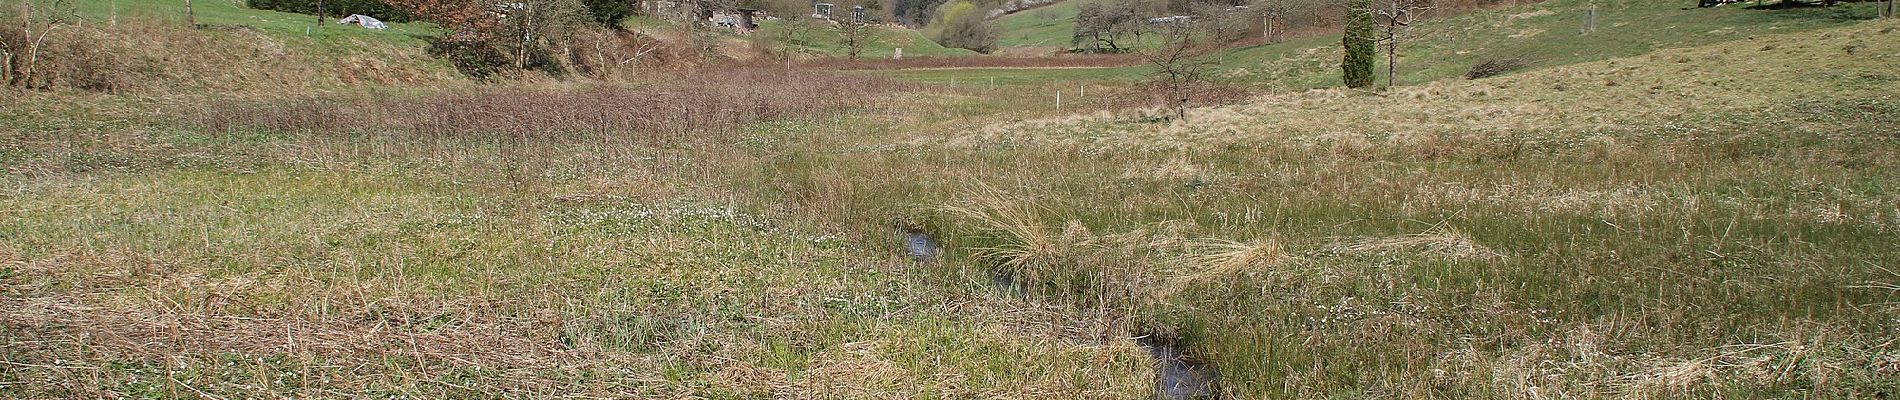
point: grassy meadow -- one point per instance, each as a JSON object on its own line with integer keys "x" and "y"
{"x": 1654, "y": 211}
{"x": 824, "y": 40}
{"x": 1042, "y": 27}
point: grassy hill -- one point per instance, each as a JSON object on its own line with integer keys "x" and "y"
{"x": 824, "y": 41}
{"x": 1042, "y": 27}
{"x": 1544, "y": 34}
{"x": 233, "y": 14}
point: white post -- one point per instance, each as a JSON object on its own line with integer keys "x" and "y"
{"x": 1590, "y": 20}
{"x": 1058, "y": 100}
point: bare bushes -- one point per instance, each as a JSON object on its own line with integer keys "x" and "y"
{"x": 66, "y": 58}
{"x": 617, "y": 55}
{"x": 136, "y": 56}
{"x": 692, "y": 103}
{"x": 36, "y": 52}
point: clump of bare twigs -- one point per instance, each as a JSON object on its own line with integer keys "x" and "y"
{"x": 1495, "y": 67}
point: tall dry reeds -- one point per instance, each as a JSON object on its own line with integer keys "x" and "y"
{"x": 1080, "y": 61}
{"x": 690, "y": 103}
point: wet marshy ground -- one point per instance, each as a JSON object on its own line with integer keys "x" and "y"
{"x": 1177, "y": 375}
{"x": 921, "y": 246}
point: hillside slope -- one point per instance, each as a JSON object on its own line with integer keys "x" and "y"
{"x": 1048, "y": 26}
{"x": 1545, "y": 34}
{"x": 144, "y": 46}
{"x": 1681, "y": 223}
{"x": 826, "y": 42}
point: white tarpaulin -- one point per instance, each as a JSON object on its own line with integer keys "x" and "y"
{"x": 364, "y": 20}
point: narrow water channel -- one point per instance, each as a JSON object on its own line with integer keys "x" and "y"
{"x": 1177, "y": 375}
{"x": 921, "y": 246}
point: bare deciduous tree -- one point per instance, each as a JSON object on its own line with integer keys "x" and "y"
{"x": 1394, "y": 17}
{"x": 854, "y": 35}
{"x": 1100, "y": 26}
{"x": 1180, "y": 69}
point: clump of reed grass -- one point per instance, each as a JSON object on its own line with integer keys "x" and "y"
{"x": 1226, "y": 259}
{"x": 663, "y": 110}
{"x": 1443, "y": 242}
{"x": 1022, "y": 246}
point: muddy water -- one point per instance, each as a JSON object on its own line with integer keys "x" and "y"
{"x": 921, "y": 246}
{"x": 1177, "y": 376}
{"x": 1005, "y": 283}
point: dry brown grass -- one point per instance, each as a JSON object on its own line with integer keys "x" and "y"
{"x": 1443, "y": 242}
{"x": 697, "y": 102}
{"x": 1076, "y": 61}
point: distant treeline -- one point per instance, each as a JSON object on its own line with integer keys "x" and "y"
{"x": 335, "y": 8}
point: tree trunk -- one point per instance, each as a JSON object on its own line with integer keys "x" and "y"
{"x": 527, "y": 29}
{"x": 16, "y": 71}
{"x": 190, "y": 19}
{"x": 320, "y": 13}
{"x": 1392, "y": 61}
{"x": 1392, "y": 47}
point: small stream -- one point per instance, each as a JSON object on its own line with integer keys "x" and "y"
{"x": 921, "y": 246}
{"x": 1005, "y": 283}
{"x": 1177, "y": 376}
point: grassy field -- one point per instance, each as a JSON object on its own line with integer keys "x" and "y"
{"x": 1544, "y": 34}
{"x": 1643, "y": 215}
{"x": 1046, "y": 26}
{"x": 1651, "y": 226}
{"x": 234, "y": 14}
{"x": 825, "y": 41}
{"x": 143, "y": 46}
{"x": 260, "y": 250}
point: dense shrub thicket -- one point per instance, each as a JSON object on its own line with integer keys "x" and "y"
{"x": 335, "y": 8}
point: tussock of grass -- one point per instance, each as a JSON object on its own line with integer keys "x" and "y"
{"x": 1446, "y": 242}
{"x": 1221, "y": 259}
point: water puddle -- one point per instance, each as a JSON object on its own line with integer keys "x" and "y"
{"x": 921, "y": 246}
{"x": 1177, "y": 376}
{"x": 1005, "y": 283}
